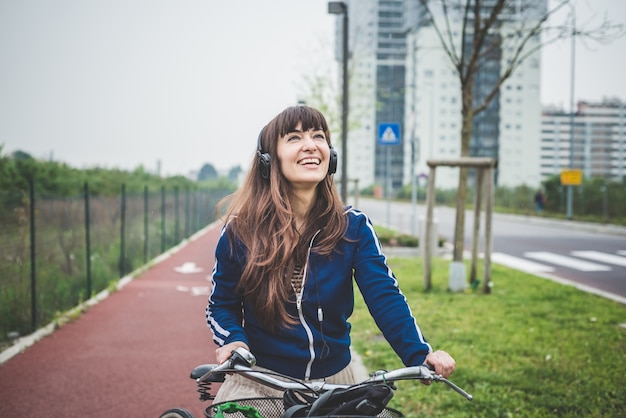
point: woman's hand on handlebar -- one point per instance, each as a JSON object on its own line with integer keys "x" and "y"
{"x": 442, "y": 362}
{"x": 223, "y": 353}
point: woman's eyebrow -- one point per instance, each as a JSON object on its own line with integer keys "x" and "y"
{"x": 300, "y": 131}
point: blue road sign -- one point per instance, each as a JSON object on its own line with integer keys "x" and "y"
{"x": 389, "y": 133}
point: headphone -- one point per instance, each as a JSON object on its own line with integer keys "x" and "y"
{"x": 264, "y": 159}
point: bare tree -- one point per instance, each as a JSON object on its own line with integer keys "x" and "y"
{"x": 487, "y": 28}
{"x": 318, "y": 89}
{"x": 320, "y": 86}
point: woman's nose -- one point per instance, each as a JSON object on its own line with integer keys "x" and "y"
{"x": 309, "y": 142}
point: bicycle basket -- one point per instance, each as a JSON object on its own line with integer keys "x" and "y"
{"x": 273, "y": 408}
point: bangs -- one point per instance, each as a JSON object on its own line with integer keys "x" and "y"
{"x": 309, "y": 117}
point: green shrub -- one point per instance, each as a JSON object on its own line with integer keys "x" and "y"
{"x": 391, "y": 237}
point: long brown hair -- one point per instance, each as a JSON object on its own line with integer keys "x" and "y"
{"x": 261, "y": 217}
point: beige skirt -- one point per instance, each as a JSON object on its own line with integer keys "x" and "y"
{"x": 239, "y": 387}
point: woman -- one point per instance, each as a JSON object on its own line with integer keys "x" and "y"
{"x": 282, "y": 281}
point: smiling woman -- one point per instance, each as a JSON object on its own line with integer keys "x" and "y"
{"x": 304, "y": 158}
{"x": 282, "y": 285}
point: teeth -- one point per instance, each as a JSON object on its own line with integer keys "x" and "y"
{"x": 311, "y": 161}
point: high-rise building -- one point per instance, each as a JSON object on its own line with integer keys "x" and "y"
{"x": 508, "y": 129}
{"x": 596, "y": 144}
{"x": 377, "y": 43}
{"x": 400, "y": 73}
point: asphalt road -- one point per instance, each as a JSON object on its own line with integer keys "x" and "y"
{"x": 589, "y": 256}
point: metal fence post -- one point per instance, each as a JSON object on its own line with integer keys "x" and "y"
{"x": 145, "y": 224}
{"x": 176, "y": 216}
{"x": 33, "y": 268}
{"x": 162, "y": 219}
{"x": 187, "y": 212}
{"x": 122, "y": 227}
{"x": 87, "y": 241}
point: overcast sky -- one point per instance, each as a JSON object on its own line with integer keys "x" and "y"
{"x": 123, "y": 83}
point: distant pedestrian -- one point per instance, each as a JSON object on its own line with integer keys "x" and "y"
{"x": 540, "y": 200}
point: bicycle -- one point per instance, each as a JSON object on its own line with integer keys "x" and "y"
{"x": 310, "y": 394}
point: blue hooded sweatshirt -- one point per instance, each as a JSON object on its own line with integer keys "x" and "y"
{"x": 319, "y": 345}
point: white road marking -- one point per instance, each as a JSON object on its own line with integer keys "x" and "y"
{"x": 520, "y": 263}
{"x": 601, "y": 257}
{"x": 565, "y": 261}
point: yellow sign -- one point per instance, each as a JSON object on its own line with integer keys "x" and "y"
{"x": 572, "y": 177}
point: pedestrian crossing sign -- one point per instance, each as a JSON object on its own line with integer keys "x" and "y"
{"x": 389, "y": 133}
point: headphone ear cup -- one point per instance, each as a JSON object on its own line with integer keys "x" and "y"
{"x": 264, "y": 164}
{"x": 264, "y": 158}
{"x": 332, "y": 164}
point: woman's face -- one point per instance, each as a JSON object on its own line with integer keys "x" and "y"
{"x": 303, "y": 156}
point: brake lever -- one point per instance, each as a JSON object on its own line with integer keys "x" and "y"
{"x": 237, "y": 356}
{"x": 439, "y": 378}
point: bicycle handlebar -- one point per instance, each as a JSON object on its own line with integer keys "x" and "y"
{"x": 242, "y": 361}
{"x": 416, "y": 372}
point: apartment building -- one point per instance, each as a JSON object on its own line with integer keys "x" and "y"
{"x": 400, "y": 73}
{"x": 377, "y": 45}
{"x": 592, "y": 139}
{"x": 507, "y": 130}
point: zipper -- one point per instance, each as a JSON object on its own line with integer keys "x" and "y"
{"x": 305, "y": 325}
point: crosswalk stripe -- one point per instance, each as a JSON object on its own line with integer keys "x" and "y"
{"x": 565, "y": 261}
{"x": 520, "y": 263}
{"x": 622, "y": 252}
{"x": 601, "y": 257}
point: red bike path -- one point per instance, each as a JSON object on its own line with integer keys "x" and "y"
{"x": 128, "y": 355}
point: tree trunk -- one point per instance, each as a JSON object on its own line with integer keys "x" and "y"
{"x": 466, "y": 134}
{"x": 459, "y": 228}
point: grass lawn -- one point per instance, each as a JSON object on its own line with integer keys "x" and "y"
{"x": 532, "y": 348}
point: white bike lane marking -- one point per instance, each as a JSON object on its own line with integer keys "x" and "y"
{"x": 188, "y": 268}
{"x": 194, "y": 290}
{"x": 191, "y": 268}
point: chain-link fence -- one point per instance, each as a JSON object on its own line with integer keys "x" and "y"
{"x": 56, "y": 252}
